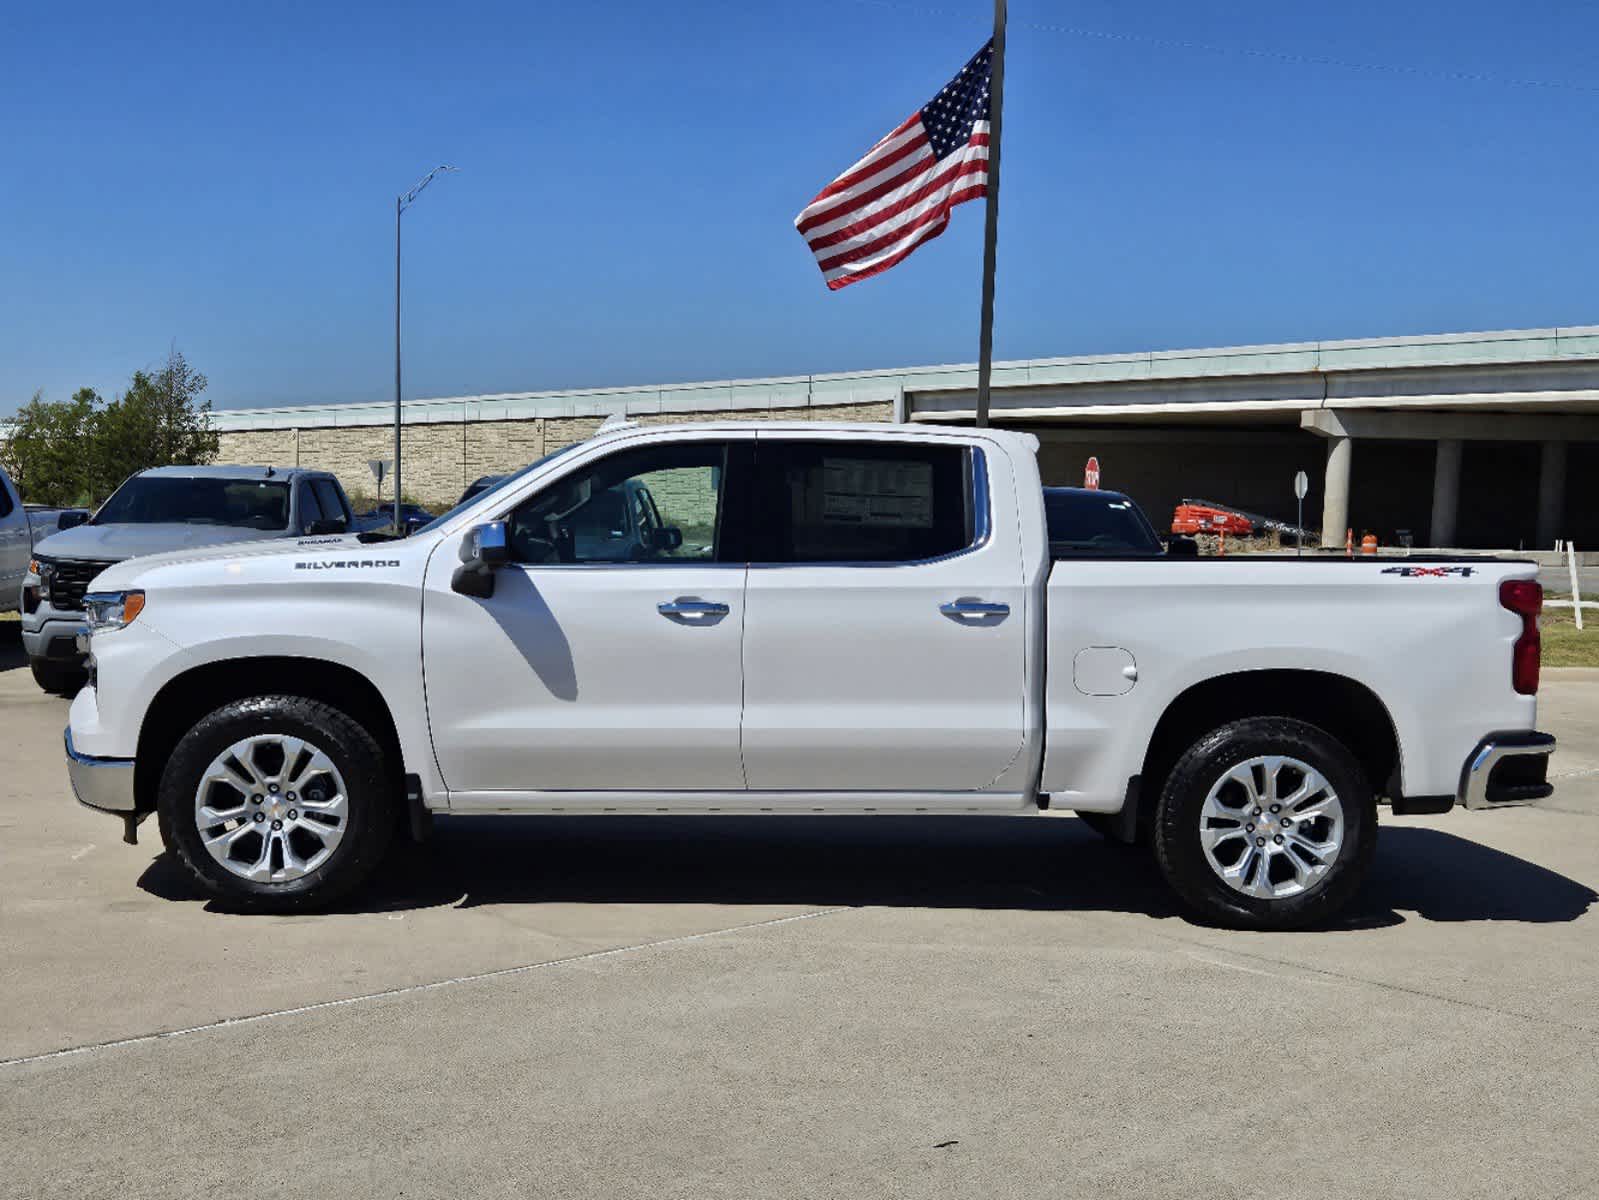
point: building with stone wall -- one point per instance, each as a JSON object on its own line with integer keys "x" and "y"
{"x": 1475, "y": 440}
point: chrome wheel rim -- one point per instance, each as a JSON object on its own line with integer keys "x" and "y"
{"x": 271, "y": 808}
{"x": 1271, "y": 827}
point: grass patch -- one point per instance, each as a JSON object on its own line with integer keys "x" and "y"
{"x": 1563, "y": 645}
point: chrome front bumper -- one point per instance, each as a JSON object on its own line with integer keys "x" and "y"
{"x": 1506, "y": 769}
{"x": 102, "y": 783}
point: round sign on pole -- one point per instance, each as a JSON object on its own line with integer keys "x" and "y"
{"x": 1091, "y": 473}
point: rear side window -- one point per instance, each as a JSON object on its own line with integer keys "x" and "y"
{"x": 861, "y": 502}
{"x": 328, "y": 498}
{"x": 5, "y": 501}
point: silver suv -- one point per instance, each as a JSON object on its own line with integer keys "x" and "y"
{"x": 154, "y": 512}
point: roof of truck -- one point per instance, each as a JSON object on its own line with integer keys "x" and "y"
{"x": 790, "y": 428}
{"x": 221, "y": 472}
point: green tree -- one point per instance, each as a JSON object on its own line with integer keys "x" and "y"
{"x": 160, "y": 421}
{"x": 50, "y": 449}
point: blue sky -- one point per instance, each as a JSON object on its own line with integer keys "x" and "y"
{"x": 222, "y": 177}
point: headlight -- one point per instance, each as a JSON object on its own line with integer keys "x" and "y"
{"x": 111, "y": 610}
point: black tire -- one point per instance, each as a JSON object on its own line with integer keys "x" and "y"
{"x": 1182, "y": 858}
{"x": 60, "y": 678}
{"x": 371, "y": 803}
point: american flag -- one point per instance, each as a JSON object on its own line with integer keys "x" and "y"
{"x": 901, "y": 193}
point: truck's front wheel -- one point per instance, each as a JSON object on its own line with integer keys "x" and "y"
{"x": 277, "y": 802}
{"x": 1266, "y": 823}
{"x": 61, "y": 678}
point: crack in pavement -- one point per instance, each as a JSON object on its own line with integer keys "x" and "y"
{"x": 411, "y": 989}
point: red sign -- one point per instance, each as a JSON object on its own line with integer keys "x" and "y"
{"x": 1091, "y": 473}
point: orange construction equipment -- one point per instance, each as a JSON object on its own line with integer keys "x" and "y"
{"x": 1368, "y": 544}
{"x": 1205, "y": 518}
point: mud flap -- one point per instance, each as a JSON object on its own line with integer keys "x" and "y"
{"x": 421, "y": 815}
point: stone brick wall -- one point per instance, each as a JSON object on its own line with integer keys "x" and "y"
{"x": 442, "y": 458}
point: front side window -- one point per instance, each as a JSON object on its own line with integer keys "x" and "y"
{"x": 175, "y": 499}
{"x": 862, "y": 502}
{"x": 659, "y": 503}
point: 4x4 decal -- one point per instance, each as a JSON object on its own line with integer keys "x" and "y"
{"x": 1416, "y": 572}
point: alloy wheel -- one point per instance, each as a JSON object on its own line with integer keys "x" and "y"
{"x": 1271, "y": 827}
{"x": 271, "y": 808}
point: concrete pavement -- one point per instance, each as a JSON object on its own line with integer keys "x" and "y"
{"x": 718, "y": 1008}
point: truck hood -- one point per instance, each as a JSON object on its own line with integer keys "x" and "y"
{"x": 127, "y": 574}
{"x": 113, "y": 543}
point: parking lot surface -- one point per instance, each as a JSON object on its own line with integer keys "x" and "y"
{"x": 796, "y": 1007}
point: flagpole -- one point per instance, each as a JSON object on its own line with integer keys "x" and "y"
{"x": 996, "y": 97}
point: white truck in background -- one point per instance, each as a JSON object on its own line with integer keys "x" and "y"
{"x": 809, "y": 618}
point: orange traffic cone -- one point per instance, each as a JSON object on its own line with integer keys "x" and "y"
{"x": 1368, "y": 544}
{"x": 1349, "y": 544}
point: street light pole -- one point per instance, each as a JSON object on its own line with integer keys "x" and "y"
{"x": 401, "y": 203}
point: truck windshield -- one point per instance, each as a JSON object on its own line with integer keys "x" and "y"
{"x": 197, "y": 500}
{"x": 1086, "y": 523}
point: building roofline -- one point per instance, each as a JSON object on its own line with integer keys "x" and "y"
{"x": 1410, "y": 353}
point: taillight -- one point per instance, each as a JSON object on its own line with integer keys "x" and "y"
{"x": 1524, "y": 597}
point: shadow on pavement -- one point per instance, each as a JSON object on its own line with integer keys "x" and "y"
{"x": 11, "y": 655}
{"x": 912, "y": 862}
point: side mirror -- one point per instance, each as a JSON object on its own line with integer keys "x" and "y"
{"x": 667, "y": 538}
{"x": 324, "y": 526}
{"x": 484, "y": 549}
{"x": 72, "y": 518}
{"x": 1182, "y": 547}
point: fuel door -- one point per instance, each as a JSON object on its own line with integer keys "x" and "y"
{"x": 1104, "y": 671}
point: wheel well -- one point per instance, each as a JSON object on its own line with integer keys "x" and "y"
{"x": 185, "y": 699}
{"x": 1349, "y": 711}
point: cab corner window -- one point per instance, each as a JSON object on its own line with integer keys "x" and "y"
{"x": 863, "y": 502}
{"x": 660, "y": 503}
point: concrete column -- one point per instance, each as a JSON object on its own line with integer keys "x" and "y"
{"x": 1445, "y": 492}
{"x": 1551, "y": 493}
{"x": 1335, "y": 491}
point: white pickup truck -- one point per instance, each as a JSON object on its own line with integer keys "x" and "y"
{"x": 800, "y": 618}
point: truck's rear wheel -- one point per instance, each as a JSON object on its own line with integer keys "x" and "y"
{"x": 1266, "y": 823}
{"x": 277, "y": 802}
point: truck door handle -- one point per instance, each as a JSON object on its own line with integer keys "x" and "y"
{"x": 688, "y": 606}
{"x": 966, "y": 607}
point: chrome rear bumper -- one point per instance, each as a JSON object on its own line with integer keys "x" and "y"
{"x": 1506, "y": 769}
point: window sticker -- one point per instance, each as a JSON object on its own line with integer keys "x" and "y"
{"x": 877, "y": 492}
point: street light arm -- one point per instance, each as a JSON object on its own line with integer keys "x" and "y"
{"x": 406, "y": 200}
